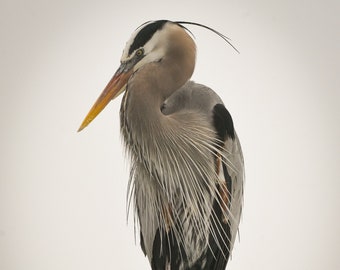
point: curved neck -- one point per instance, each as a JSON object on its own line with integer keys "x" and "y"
{"x": 154, "y": 82}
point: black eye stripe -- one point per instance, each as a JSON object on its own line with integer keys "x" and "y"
{"x": 145, "y": 34}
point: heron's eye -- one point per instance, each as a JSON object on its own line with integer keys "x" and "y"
{"x": 139, "y": 52}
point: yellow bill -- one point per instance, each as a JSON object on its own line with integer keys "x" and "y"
{"x": 113, "y": 89}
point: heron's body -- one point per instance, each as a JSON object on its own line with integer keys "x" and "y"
{"x": 187, "y": 165}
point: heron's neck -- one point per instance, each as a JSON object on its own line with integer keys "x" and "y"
{"x": 145, "y": 94}
{"x": 151, "y": 86}
{"x": 153, "y": 83}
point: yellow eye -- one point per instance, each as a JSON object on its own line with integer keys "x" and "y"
{"x": 139, "y": 52}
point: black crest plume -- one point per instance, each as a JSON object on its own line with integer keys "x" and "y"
{"x": 225, "y": 38}
{"x": 153, "y": 26}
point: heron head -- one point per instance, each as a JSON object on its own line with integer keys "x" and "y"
{"x": 151, "y": 42}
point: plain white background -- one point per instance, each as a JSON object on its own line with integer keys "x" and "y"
{"x": 62, "y": 193}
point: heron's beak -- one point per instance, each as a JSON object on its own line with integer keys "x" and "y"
{"x": 113, "y": 89}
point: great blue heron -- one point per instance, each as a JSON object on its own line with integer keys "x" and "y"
{"x": 187, "y": 165}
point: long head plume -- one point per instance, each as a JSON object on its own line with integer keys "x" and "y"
{"x": 225, "y": 38}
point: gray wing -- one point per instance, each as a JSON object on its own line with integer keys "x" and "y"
{"x": 191, "y": 96}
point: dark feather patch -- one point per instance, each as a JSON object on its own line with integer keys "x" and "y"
{"x": 167, "y": 249}
{"x": 223, "y": 122}
{"x": 145, "y": 34}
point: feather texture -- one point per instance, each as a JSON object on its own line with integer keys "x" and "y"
{"x": 178, "y": 177}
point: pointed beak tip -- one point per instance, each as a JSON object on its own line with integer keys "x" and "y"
{"x": 80, "y": 129}
{"x": 84, "y": 124}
